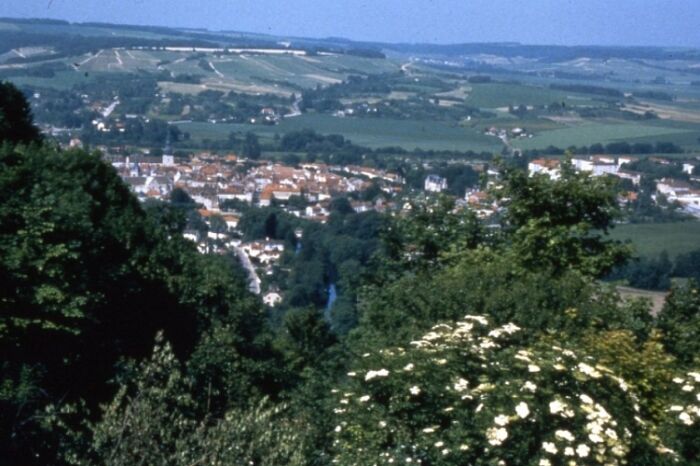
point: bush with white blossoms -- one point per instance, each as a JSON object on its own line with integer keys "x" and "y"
{"x": 469, "y": 394}
{"x": 683, "y": 421}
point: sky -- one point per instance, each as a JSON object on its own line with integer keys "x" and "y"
{"x": 565, "y": 22}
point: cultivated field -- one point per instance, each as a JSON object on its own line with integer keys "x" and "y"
{"x": 650, "y": 239}
{"x": 368, "y": 132}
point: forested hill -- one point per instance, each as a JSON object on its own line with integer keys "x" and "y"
{"x": 474, "y": 345}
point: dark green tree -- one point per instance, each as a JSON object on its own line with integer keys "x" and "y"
{"x": 15, "y": 116}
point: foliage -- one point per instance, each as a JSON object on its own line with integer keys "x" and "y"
{"x": 15, "y": 116}
{"x": 680, "y": 322}
{"x": 469, "y": 393}
{"x": 562, "y": 225}
{"x": 431, "y": 229}
{"x": 151, "y": 421}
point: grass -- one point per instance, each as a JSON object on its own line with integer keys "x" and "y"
{"x": 599, "y": 132}
{"x": 651, "y": 239}
{"x": 367, "y": 132}
{"x": 496, "y": 95}
{"x": 63, "y": 80}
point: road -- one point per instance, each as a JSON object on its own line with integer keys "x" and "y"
{"x": 253, "y": 279}
{"x": 296, "y": 109}
{"x": 108, "y": 111}
{"x": 218, "y": 73}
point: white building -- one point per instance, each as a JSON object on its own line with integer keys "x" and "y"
{"x": 435, "y": 184}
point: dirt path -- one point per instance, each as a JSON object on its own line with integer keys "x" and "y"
{"x": 657, "y": 298}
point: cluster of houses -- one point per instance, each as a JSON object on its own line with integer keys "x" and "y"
{"x": 502, "y": 133}
{"x": 211, "y": 180}
{"x": 686, "y": 194}
{"x": 305, "y": 191}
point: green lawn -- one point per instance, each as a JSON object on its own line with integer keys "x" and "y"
{"x": 650, "y": 239}
{"x": 366, "y": 132}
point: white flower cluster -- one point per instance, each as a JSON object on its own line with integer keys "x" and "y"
{"x": 688, "y": 413}
{"x": 467, "y": 381}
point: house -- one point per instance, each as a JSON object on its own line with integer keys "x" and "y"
{"x": 635, "y": 177}
{"x": 231, "y": 220}
{"x": 690, "y": 201}
{"x": 672, "y": 188}
{"x": 435, "y": 184}
{"x": 549, "y": 167}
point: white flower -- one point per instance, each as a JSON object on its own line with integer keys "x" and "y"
{"x": 464, "y": 447}
{"x": 533, "y": 368}
{"x": 678, "y": 380}
{"x": 676, "y": 408}
{"x": 415, "y": 390}
{"x": 685, "y": 418}
{"x": 496, "y": 436}
{"x": 510, "y": 328}
{"x": 429, "y": 430}
{"x": 522, "y": 410}
{"x": 352, "y": 374}
{"x": 529, "y": 386}
{"x": 695, "y": 376}
{"x": 364, "y": 399}
{"x": 501, "y": 420}
{"x": 439, "y": 444}
{"x": 408, "y": 367}
{"x": 372, "y": 374}
{"x": 481, "y": 319}
{"x": 582, "y": 450}
{"x": 338, "y": 428}
{"x": 556, "y": 406}
{"x": 549, "y": 447}
{"x": 461, "y": 384}
{"x": 382, "y": 424}
{"x": 586, "y": 399}
{"x": 588, "y": 370}
{"x": 595, "y": 438}
{"x": 687, "y": 388}
{"x": 564, "y": 435}
{"x": 568, "y": 451}
{"x": 544, "y": 462}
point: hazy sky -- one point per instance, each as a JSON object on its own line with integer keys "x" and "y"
{"x": 605, "y": 22}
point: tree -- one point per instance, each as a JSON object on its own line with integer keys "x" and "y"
{"x": 153, "y": 420}
{"x": 680, "y": 321}
{"x": 561, "y": 224}
{"x": 15, "y": 116}
{"x": 469, "y": 392}
{"x": 251, "y": 146}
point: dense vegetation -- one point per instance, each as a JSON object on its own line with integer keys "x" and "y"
{"x": 471, "y": 345}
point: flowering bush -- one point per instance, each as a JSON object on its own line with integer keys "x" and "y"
{"x": 684, "y": 416}
{"x": 469, "y": 393}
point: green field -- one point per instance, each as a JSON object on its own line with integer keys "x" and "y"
{"x": 364, "y": 131}
{"x": 495, "y": 95}
{"x": 590, "y": 133}
{"x": 650, "y": 239}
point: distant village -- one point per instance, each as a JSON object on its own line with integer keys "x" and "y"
{"x": 219, "y": 184}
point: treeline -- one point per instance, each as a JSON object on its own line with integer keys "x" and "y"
{"x": 67, "y": 45}
{"x": 613, "y": 148}
{"x": 588, "y": 89}
{"x": 655, "y": 273}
